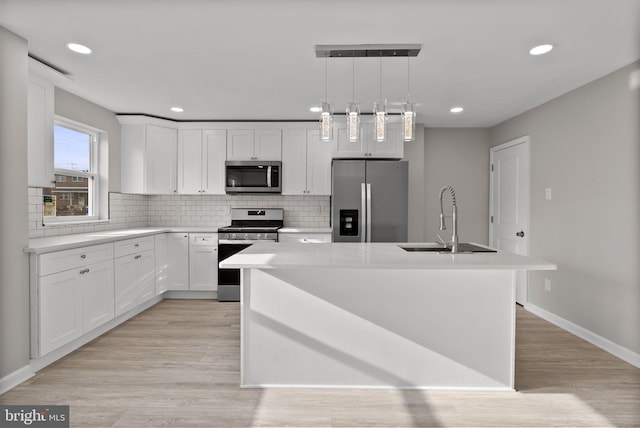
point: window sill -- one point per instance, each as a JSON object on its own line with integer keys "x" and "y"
{"x": 74, "y": 223}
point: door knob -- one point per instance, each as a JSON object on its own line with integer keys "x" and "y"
{"x": 520, "y": 234}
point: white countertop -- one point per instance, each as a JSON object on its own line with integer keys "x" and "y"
{"x": 270, "y": 255}
{"x": 65, "y": 242}
{"x": 305, "y": 230}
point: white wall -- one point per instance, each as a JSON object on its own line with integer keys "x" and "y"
{"x": 414, "y": 154}
{"x": 458, "y": 157}
{"x": 14, "y": 266}
{"x": 585, "y": 146}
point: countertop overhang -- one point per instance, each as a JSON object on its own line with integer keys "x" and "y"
{"x": 270, "y": 255}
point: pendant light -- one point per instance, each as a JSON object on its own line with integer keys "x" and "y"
{"x": 408, "y": 112}
{"x": 380, "y": 114}
{"x": 353, "y": 111}
{"x": 326, "y": 112}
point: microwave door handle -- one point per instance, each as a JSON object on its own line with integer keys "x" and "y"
{"x": 269, "y": 176}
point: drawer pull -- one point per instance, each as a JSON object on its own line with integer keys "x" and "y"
{"x": 82, "y": 272}
{"x": 83, "y": 256}
{"x": 138, "y": 256}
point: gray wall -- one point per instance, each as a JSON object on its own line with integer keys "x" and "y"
{"x": 14, "y": 264}
{"x": 75, "y": 108}
{"x": 414, "y": 154}
{"x": 458, "y": 157}
{"x": 585, "y": 146}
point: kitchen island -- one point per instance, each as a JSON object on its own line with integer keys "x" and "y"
{"x": 375, "y": 315}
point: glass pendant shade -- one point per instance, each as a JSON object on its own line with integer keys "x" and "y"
{"x": 408, "y": 121}
{"x": 326, "y": 122}
{"x": 380, "y": 121}
{"x": 353, "y": 122}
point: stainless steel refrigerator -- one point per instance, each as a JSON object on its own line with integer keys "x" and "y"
{"x": 369, "y": 200}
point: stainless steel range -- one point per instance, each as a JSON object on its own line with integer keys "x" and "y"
{"x": 248, "y": 226}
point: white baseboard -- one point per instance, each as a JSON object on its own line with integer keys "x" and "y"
{"x": 603, "y": 343}
{"x": 14, "y": 379}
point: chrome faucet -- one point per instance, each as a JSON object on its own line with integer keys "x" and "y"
{"x": 454, "y": 215}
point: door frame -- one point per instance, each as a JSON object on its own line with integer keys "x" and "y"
{"x": 526, "y": 140}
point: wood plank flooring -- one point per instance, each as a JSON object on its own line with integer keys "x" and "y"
{"x": 177, "y": 365}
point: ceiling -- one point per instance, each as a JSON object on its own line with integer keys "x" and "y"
{"x": 255, "y": 59}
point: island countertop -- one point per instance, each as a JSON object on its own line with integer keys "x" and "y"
{"x": 279, "y": 255}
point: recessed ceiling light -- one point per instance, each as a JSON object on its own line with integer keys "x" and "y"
{"x": 78, "y": 48}
{"x": 456, "y": 110}
{"x": 315, "y": 109}
{"x": 177, "y": 109}
{"x": 541, "y": 49}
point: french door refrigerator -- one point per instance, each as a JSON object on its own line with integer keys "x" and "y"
{"x": 369, "y": 200}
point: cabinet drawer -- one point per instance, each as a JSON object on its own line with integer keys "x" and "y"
{"x": 203, "y": 238}
{"x": 131, "y": 246}
{"x": 61, "y": 261}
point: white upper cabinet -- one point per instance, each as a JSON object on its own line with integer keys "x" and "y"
{"x": 149, "y": 159}
{"x": 160, "y": 160}
{"x": 40, "y": 109}
{"x": 366, "y": 147}
{"x": 201, "y": 156}
{"x": 306, "y": 163}
{"x": 254, "y": 144}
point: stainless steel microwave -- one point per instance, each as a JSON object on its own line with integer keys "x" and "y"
{"x": 253, "y": 176}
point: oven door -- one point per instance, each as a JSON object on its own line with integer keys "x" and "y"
{"x": 229, "y": 279}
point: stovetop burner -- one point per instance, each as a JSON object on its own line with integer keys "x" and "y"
{"x": 253, "y": 224}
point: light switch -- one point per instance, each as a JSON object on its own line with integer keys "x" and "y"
{"x": 547, "y": 194}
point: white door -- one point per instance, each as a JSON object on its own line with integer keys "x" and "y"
{"x": 509, "y": 227}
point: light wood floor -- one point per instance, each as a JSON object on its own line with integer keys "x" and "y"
{"x": 177, "y": 365}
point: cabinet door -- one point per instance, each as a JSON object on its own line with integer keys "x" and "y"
{"x": 268, "y": 145}
{"x": 240, "y": 144}
{"x": 97, "y": 289}
{"x": 294, "y": 161}
{"x": 190, "y": 161}
{"x": 391, "y": 148}
{"x": 203, "y": 267}
{"x": 145, "y": 276}
{"x": 343, "y": 148}
{"x": 162, "y": 260}
{"x": 126, "y": 291}
{"x": 40, "y": 133}
{"x": 318, "y": 164}
{"x": 178, "y": 261}
{"x": 161, "y": 160}
{"x": 60, "y": 309}
{"x": 214, "y": 153}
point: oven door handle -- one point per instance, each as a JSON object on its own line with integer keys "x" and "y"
{"x": 236, "y": 241}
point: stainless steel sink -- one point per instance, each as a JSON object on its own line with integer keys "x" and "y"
{"x": 463, "y": 247}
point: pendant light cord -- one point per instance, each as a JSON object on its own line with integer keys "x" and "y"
{"x": 380, "y": 76}
{"x": 353, "y": 79}
{"x": 408, "y": 79}
{"x": 326, "y": 62}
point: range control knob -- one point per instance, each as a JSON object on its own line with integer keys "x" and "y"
{"x": 233, "y": 236}
{"x": 246, "y": 236}
{"x": 258, "y": 236}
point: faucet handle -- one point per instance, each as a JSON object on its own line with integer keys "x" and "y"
{"x": 442, "y": 241}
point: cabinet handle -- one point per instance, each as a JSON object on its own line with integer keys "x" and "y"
{"x": 185, "y": 236}
{"x": 136, "y": 245}
{"x": 82, "y": 272}
{"x": 83, "y": 256}
{"x": 138, "y": 256}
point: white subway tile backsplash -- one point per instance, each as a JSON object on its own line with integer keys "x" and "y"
{"x": 131, "y": 211}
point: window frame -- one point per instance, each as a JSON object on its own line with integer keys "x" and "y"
{"x": 92, "y": 175}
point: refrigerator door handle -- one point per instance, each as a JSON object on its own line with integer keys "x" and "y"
{"x": 368, "y": 212}
{"x": 363, "y": 211}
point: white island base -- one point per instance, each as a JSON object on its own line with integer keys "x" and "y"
{"x": 452, "y": 329}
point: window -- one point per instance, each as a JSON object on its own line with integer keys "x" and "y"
{"x": 75, "y": 195}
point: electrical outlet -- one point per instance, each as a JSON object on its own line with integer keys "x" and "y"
{"x": 547, "y": 194}
{"x": 547, "y": 284}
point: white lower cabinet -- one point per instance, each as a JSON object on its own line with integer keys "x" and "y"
{"x": 177, "y": 261}
{"x": 74, "y": 301}
{"x": 134, "y": 273}
{"x": 203, "y": 262}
